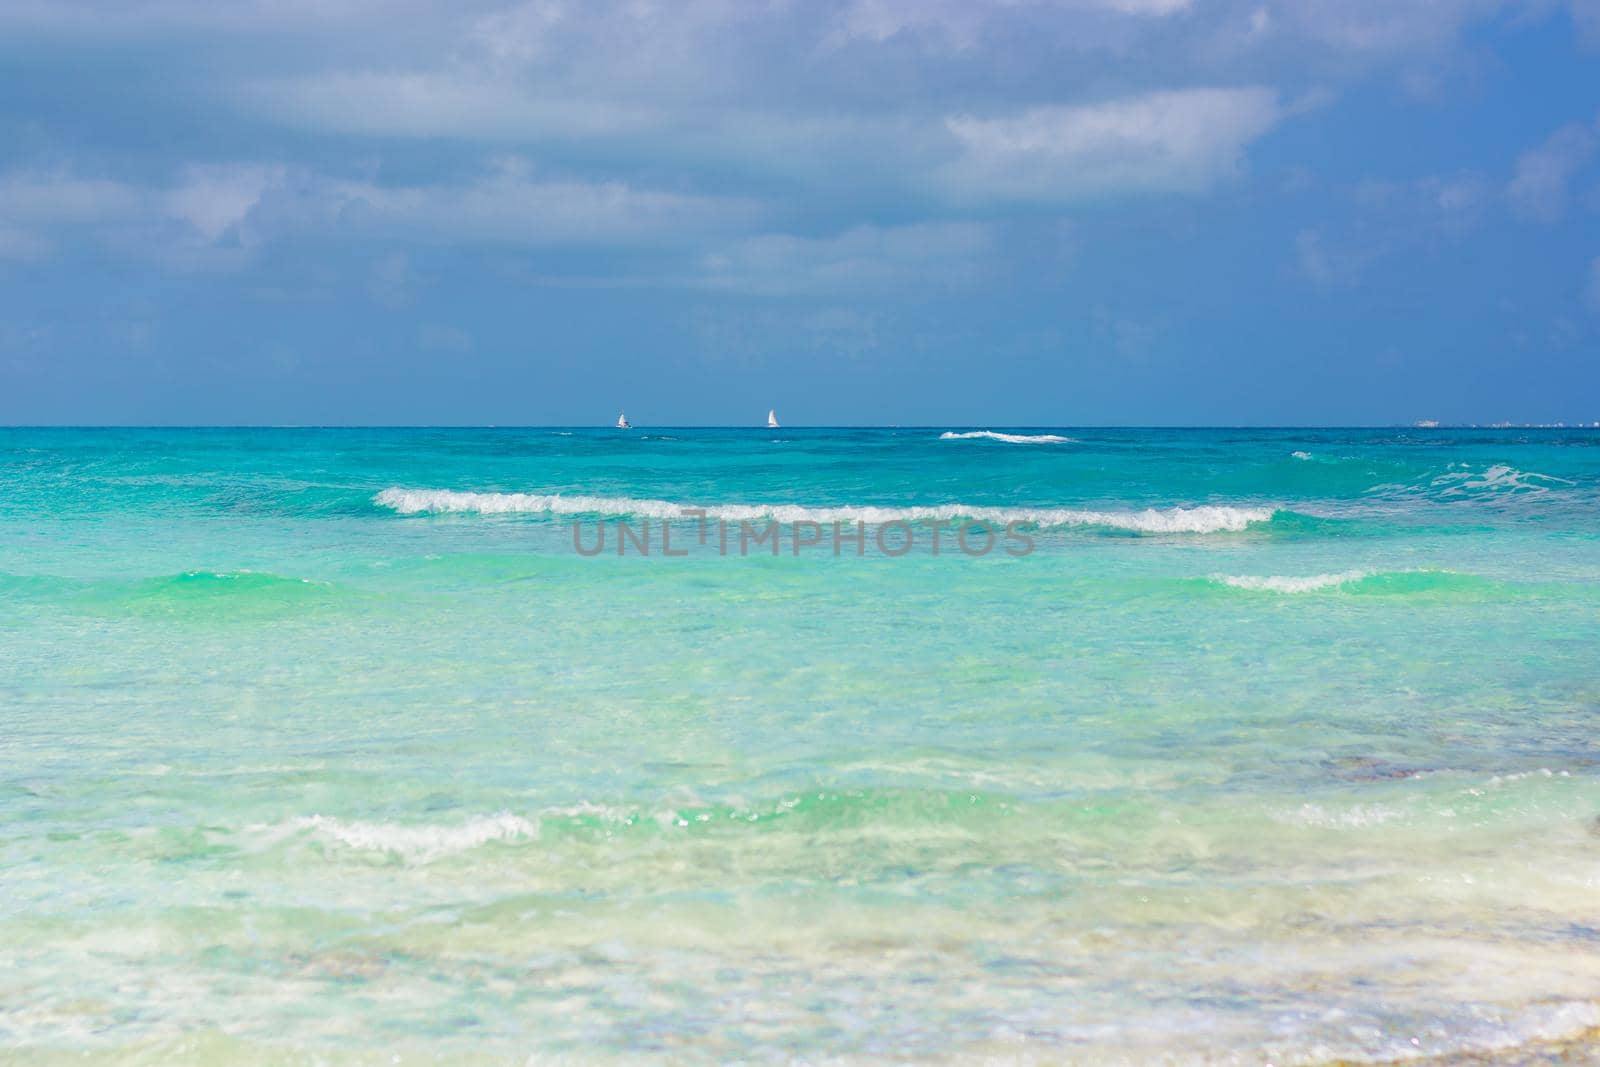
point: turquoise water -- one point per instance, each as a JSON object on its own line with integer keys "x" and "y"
{"x": 325, "y": 746}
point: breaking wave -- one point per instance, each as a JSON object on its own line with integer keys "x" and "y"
{"x": 1463, "y": 482}
{"x": 1280, "y": 584}
{"x": 1010, "y": 438}
{"x": 417, "y": 842}
{"x": 1201, "y": 519}
{"x": 1408, "y": 582}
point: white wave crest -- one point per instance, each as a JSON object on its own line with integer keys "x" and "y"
{"x": 1300, "y": 455}
{"x": 1461, "y": 482}
{"x": 1202, "y": 519}
{"x": 1498, "y": 478}
{"x": 1010, "y": 438}
{"x": 1280, "y": 584}
{"x": 418, "y": 842}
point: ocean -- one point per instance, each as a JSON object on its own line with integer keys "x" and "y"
{"x": 370, "y": 746}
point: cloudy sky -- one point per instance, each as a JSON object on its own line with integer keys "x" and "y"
{"x": 1030, "y": 212}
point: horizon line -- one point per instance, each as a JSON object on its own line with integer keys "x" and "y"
{"x": 756, "y": 427}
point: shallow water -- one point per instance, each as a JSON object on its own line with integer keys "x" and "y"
{"x": 326, "y": 746}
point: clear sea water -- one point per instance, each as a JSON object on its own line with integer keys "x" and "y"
{"x": 325, "y": 746}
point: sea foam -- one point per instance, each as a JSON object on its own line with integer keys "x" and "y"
{"x": 424, "y": 842}
{"x": 1010, "y": 438}
{"x": 1281, "y": 584}
{"x": 1497, "y": 478}
{"x": 1463, "y": 482}
{"x": 1208, "y": 518}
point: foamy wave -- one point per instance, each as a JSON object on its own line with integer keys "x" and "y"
{"x": 1280, "y": 584}
{"x": 1010, "y": 438}
{"x": 1542, "y": 772}
{"x": 418, "y": 842}
{"x": 1300, "y": 455}
{"x": 1498, "y": 478}
{"x": 1459, "y": 482}
{"x": 1202, "y": 519}
{"x": 1359, "y": 815}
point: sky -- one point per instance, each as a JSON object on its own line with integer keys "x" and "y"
{"x": 963, "y": 212}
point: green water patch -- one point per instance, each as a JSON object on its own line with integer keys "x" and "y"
{"x": 475, "y": 570}
{"x": 812, "y": 811}
{"x": 208, "y": 594}
{"x": 198, "y": 594}
{"x": 1290, "y": 525}
{"x": 1444, "y": 583}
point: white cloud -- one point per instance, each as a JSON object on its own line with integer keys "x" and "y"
{"x": 1586, "y": 15}
{"x": 244, "y": 205}
{"x": 1313, "y": 258}
{"x": 197, "y": 210}
{"x": 214, "y": 199}
{"x": 699, "y": 123}
{"x": 812, "y": 148}
{"x": 961, "y": 22}
{"x": 22, "y": 246}
{"x": 1463, "y": 192}
{"x": 511, "y": 205}
{"x": 1181, "y": 141}
{"x": 862, "y": 259}
{"x": 152, "y": 18}
{"x": 475, "y": 106}
{"x": 1385, "y": 26}
{"x": 1455, "y": 202}
{"x": 1332, "y": 264}
{"x": 34, "y": 204}
{"x": 1539, "y": 189}
{"x": 46, "y": 198}
{"x": 1384, "y": 219}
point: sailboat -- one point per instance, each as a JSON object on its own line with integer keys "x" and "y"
{"x": 622, "y": 422}
{"x": 772, "y": 418}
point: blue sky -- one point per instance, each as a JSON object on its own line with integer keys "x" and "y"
{"x": 1029, "y": 212}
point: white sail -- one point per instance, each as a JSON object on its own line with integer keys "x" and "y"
{"x": 772, "y": 419}
{"x": 622, "y": 422}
